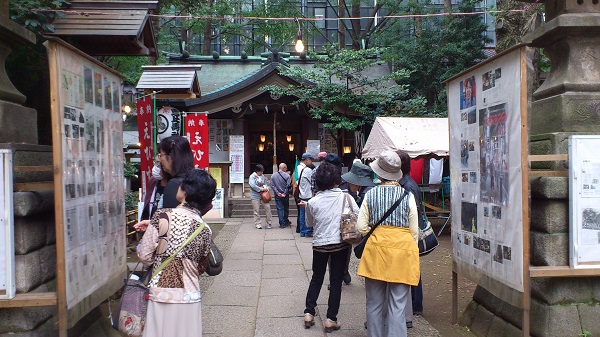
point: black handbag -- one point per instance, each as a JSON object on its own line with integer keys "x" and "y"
{"x": 360, "y": 247}
{"x": 215, "y": 260}
{"x": 427, "y": 239}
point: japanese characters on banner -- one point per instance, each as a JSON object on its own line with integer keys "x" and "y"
{"x": 196, "y": 130}
{"x": 485, "y": 164}
{"x": 145, "y": 119}
{"x": 168, "y": 122}
{"x": 236, "y": 156}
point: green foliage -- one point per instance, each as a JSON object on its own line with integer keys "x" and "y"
{"x": 130, "y": 66}
{"x": 131, "y": 200}
{"x": 38, "y": 21}
{"x": 433, "y": 49}
{"x": 347, "y": 97}
{"x": 130, "y": 170}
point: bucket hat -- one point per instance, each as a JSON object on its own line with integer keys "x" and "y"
{"x": 388, "y": 165}
{"x": 359, "y": 174}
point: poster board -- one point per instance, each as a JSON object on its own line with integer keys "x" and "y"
{"x": 313, "y": 147}
{"x": 218, "y": 136}
{"x": 217, "y": 212}
{"x": 486, "y": 105}
{"x": 584, "y": 190}
{"x": 87, "y": 138}
{"x": 7, "y": 252}
{"x": 236, "y": 157}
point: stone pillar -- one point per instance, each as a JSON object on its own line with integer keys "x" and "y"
{"x": 11, "y": 99}
{"x": 568, "y": 103}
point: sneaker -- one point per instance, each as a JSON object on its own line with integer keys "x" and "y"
{"x": 409, "y": 325}
{"x": 309, "y": 320}
{"x": 418, "y": 312}
{"x": 269, "y": 226}
{"x": 258, "y": 227}
{"x": 331, "y": 325}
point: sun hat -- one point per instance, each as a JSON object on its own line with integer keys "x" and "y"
{"x": 306, "y": 156}
{"x": 360, "y": 175}
{"x": 334, "y": 159}
{"x": 388, "y": 165}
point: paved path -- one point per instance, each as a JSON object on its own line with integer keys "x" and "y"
{"x": 262, "y": 288}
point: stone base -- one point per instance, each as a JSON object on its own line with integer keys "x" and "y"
{"x": 18, "y": 124}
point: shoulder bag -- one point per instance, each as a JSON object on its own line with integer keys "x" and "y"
{"x": 360, "y": 247}
{"x": 265, "y": 196}
{"x": 427, "y": 239}
{"x": 215, "y": 260}
{"x": 296, "y": 188}
{"x": 134, "y": 301}
{"x": 348, "y": 223}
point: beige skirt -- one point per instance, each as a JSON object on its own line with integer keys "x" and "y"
{"x": 176, "y": 320}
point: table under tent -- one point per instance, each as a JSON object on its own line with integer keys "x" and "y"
{"x": 427, "y": 142}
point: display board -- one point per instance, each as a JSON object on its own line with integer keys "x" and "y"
{"x": 236, "y": 157}
{"x": 485, "y": 116}
{"x": 313, "y": 146}
{"x": 584, "y": 190}
{"x": 7, "y": 250}
{"x": 218, "y": 136}
{"x": 88, "y": 181}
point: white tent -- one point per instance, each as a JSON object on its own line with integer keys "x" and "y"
{"x": 415, "y": 136}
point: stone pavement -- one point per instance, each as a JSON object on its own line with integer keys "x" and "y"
{"x": 262, "y": 288}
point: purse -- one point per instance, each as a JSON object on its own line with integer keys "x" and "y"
{"x": 134, "y": 301}
{"x": 215, "y": 260}
{"x": 360, "y": 247}
{"x": 265, "y": 196}
{"x": 348, "y": 223}
{"x": 427, "y": 240}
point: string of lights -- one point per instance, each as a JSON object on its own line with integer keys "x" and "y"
{"x": 229, "y": 17}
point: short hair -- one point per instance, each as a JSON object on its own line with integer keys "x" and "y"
{"x": 327, "y": 176}
{"x": 405, "y": 162}
{"x": 181, "y": 154}
{"x": 200, "y": 188}
{"x": 259, "y": 168}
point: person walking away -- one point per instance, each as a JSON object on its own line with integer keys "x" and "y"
{"x": 174, "y": 307}
{"x": 323, "y": 213}
{"x": 281, "y": 184}
{"x": 392, "y": 243}
{"x": 305, "y": 192}
{"x": 408, "y": 183}
{"x": 258, "y": 184}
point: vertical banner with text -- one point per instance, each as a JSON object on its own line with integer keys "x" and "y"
{"x": 196, "y": 130}
{"x": 145, "y": 118}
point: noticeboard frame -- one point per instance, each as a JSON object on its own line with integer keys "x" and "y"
{"x": 8, "y": 291}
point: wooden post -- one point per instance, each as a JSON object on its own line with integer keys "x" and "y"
{"x": 454, "y": 296}
{"x": 525, "y": 192}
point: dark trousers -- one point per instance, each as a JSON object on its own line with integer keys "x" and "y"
{"x": 283, "y": 209}
{"x": 417, "y": 296}
{"x": 336, "y": 274}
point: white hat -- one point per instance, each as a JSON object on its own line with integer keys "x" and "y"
{"x": 388, "y": 165}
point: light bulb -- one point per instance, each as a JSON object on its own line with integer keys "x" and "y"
{"x": 299, "y": 45}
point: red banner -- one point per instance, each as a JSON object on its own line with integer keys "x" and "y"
{"x": 145, "y": 118}
{"x": 196, "y": 130}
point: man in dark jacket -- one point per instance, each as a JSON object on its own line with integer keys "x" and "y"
{"x": 281, "y": 184}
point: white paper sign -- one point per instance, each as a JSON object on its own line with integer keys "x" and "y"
{"x": 7, "y": 252}
{"x": 236, "y": 157}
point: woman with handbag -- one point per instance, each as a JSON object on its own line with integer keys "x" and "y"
{"x": 390, "y": 260}
{"x": 258, "y": 191}
{"x": 174, "y": 307}
{"x": 324, "y": 214}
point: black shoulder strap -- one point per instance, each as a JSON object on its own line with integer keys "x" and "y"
{"x": 389, "y": 211}
{"x": 281, "y": 175}
{"x": 300, "y": 177}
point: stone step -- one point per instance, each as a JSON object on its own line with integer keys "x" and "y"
{"x": 242, "y": 208}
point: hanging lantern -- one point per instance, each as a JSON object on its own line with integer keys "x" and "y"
{"x": 288, "y": 138}
{"x": 291, "y": 147}
{"x": 168, "y": 122}
{"x": 261, "y": 147}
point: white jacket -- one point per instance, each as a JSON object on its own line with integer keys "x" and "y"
{"x": 323, "y": 213}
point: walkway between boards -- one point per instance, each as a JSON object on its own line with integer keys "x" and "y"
{"x": 262, "y": 288}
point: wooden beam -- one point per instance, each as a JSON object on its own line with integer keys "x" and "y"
{"x": 186, "y": 95}
{"x": 548, "y": 157}
{"x": 34, "y": 186}
{"x": 541, "y": 173}
{"x": 562, "y": 271}
{"x": 44, "y": 168}
{"x": 30, "y": 300}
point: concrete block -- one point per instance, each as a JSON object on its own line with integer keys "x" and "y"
{"x": 32, "y": 155}
{"x": 549, "y": 143}
{"x": 500, "y": 327}
{"x": 23, "y": 319}
{"x": 50, "y": 230}
{"x": 27, "y": 120}
{"x": 567, "y": 112}
{"x": 549, "y": 187}
{"x": 512, "y": 314}
{"x": 467, "y": 316}
{"x": 32, "y": 203}
{"x": 554, "y": 320}
{"x": 561, "y": 290}
{"x": 482, "y": 321}
{"x": 48, "y": 262}
{"x": 489, "y": 301}
{"x": 596, "y": 290}
{"x": 550, "y": 216}
{"x": 27, "y": 271}
{"x": 30, "y": 233}
{"x": 588, "y": 314}
{"x": 549, "y": 249}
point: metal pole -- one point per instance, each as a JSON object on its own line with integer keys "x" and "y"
{"x": 275, "y": 142}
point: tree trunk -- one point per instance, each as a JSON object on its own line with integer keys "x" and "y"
{"x": 341, "y": 24}
{"x": 207, "y": 38}
{"x": 355, "y": 33}
{"x": 447, "y": 6}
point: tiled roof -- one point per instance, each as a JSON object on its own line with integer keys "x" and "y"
{"x": 171, "y": 78}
